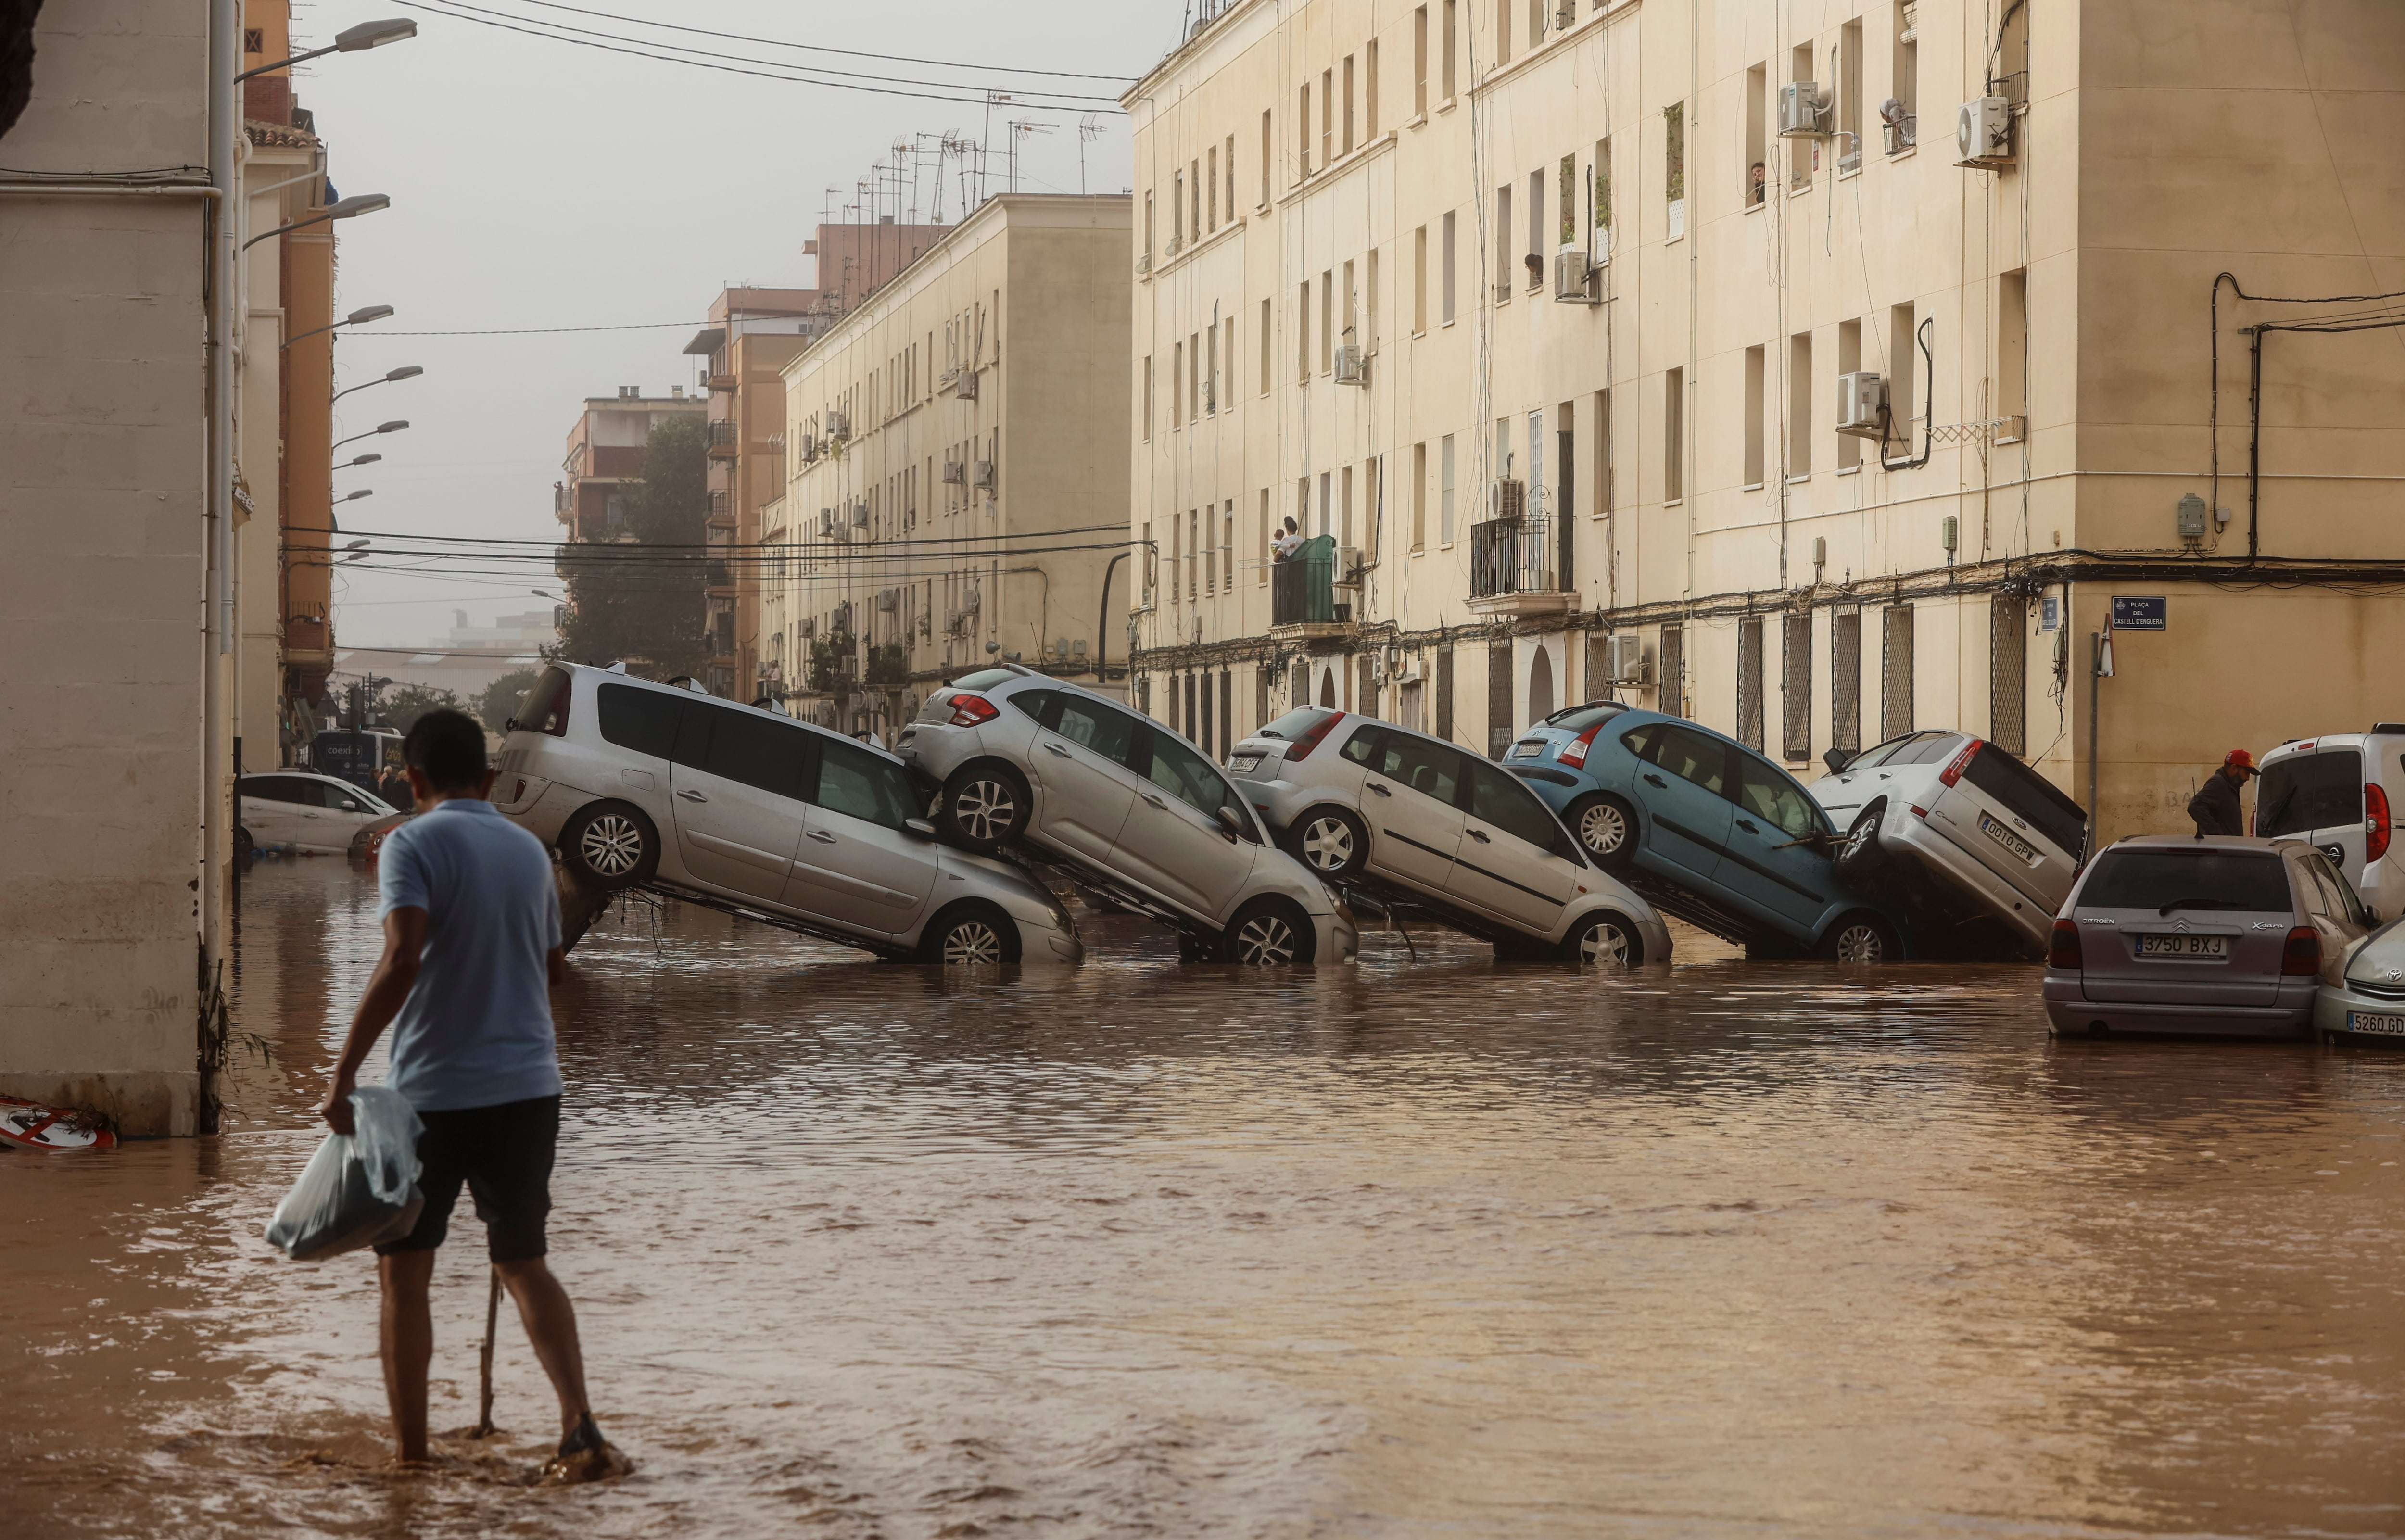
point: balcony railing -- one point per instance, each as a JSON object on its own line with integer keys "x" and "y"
{"x": 1302, "y": 588}
{"x": 722, "y": 436}
{"x": 1511, "y": 556}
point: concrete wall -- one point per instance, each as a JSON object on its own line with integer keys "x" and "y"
{"x": 101, "y": 480}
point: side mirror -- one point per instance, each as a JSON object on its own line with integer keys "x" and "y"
{"x": 1230, "y": 821}
{"x": 919, "y": 827}
{"x": 1837, "y": 759}
{"x": 349, "y": 807}
{"x": 510, "y": 725}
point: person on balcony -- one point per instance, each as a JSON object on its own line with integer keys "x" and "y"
{"x": 1289, "y": 541}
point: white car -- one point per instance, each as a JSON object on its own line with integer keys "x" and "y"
{"x": 305, "y": 811}
{"x": 743, "y": 809}
{"x": 1960, "y": 833}
{"x": 1362, "y": 801}
{"x": 1140, "y": 815}
{"x": 2337, "y": 793}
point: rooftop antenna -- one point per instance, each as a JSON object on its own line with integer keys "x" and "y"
{"x": 1019, "y": 128}
{"x": 1090, "y": 129}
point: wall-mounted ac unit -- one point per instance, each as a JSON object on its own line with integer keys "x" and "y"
{"x": 1566, "y": 16}
{"x": 888, "y": 600}
{"x": 806, "y": 446}
{"x": 808, "y": 628}
{"x": 955, "y": 473}
{"x": 1574, "y": 278}
{"x": 1352, "y": 365}
{"x": 1348, "y": 567}
{"x": 1144, "y": 263}
{"x": 1862, "y": 405}
{"x": 1507, "y": 498}
{"x": 826, "y": 522}
{"x": 860, "y": 514}
{"x": 839, "y": 424}
{"x": 1803, "y": 110}
{"x": 1623, "y": 658}
{"x": 1983, "y": 132}
{"x": 983, "y": 476}
{"x": 965, "y": 388}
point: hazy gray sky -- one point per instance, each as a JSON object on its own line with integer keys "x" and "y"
{"x": 540, "y": 184}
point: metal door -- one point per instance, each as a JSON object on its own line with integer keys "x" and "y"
{"x": 1680, "y": 780}
{"x": 857, "y": 865}
{"x": 1173, "y": 841}
{"x": 1411, "y": 800}
{"x": 736, "y": 782}
{"x": 1763, "y": 867}
{"x": 1085, "y": 758}
{"x": 1509, "y": 862}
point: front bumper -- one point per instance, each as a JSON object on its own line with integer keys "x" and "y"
{"x": 2335, "y": 1007}
{"x": 2072, "y": 1015}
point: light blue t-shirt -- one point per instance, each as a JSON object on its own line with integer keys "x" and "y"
{"x": 476, "y": 1029}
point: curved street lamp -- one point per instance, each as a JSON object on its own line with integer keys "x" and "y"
{"x": 361, "y": 316}
{"x": 393, "y": 427}
{"x": 358, "y": 459}
{"x": 367, "y": 35}
{"x": 406, "y": 372}
{"x": 349, "y": 208}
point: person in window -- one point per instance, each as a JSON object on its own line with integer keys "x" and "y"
{"x": 1754, "y": 191}
{"x": 2215, "y": 807}
{"x": 1289, "y": 541}
{"x": 1536, "y": 269}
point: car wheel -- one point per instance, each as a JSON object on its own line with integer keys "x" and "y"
{"x": 985, "y": 805}
{"x": 1860, "y": 856}
{"x": 1271, "y": 933}
{"x": 244, "y": 848}
{"x": 1860, "y": 938}
{"x": 1197, "y": 949}
{"x": 1603, "y": 941}
{"x": 970, "y": 935}
{"x": 1606, "y": 828}
{"x": 610, "y": 845}
{"x": 1331, "y": 842}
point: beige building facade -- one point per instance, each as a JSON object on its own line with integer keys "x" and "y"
{"x": 1557, "y": 319}
{"x": 956, "y": 471}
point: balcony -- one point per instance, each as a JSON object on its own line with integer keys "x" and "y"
{"x": 721, "y": 508}
{"x": 1511, "y": 569}
{"x": 1303, "y": 595}
{"x": 721, "y": 438}
{"x": 722, "y": 381}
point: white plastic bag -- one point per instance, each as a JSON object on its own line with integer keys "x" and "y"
{"x": 359, "y": 1189}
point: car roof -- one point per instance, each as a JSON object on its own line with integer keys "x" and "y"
{"x": 2294, "y": 747}
{"x": 2209, "y": 842}
{"x": 610, "y": 676}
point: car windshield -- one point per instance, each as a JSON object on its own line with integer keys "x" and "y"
{"x": 1880, "y": 754}
{"x": 1578, "y": 718}
{"x": 2309, "y": 791}
{"x": 2166, "y": 881}
{"x": 1295, "y": 724}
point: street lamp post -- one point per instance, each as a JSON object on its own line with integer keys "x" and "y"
{"x": 347, "y": 208}
{"x": 393, "y": 427}
{"x": 357, "y": 318}
{"x": 406, "y": 372}
{"x": 358, "y": 459}
{"x": 367, "y": 35}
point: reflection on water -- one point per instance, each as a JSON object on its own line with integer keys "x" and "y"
{"x": 1146, "y": 1248}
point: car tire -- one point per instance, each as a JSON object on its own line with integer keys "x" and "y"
{"x": 1605, "y": 828}
{"x": 969, "y": 935}
{"x": 1862, "y": 855}
{"x": 1271, "y": 933}
{"x": 985, "y": 805}
{"x": 610, "y": 845}
{"x": 1860, "y": 937}
{"x": 1604, "y": 940}
{"x": 244, "y": 848}
{"x": 1331, "y": 842}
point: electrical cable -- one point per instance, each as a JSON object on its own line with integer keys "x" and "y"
{"x": 646, "y": 545}
{"x": 820, "y": 47}
{"x": 539, "y": 330}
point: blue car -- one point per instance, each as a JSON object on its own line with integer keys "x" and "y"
{"x": 1706, "y": 829}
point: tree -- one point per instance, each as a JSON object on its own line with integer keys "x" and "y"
{"x": 400, "y": 708}
{"x": 646, "y": 606}
{"x": 501, "y": 698}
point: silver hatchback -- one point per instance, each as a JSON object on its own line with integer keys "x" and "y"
{"x": 2218, "y": 935}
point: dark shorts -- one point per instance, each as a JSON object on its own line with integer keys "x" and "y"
{"x": 505, "y": 1155}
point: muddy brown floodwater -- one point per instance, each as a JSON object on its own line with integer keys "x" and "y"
{"x": 1432, "y": 1249}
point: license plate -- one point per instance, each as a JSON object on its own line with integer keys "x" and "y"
{"x": 2006, "y": 838}
{"x": 1244, "y": 764}
{"x": 2182, "y": 947}
{"x": 2366, "y": 1021}
{"x": 1525, "y": 751}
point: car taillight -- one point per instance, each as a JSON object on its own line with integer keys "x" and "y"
{"x": 2375, "y": 821}
{"x": 2302, "y": 957}
{"x": 1953, "y": 772}
{"x": 969, "y": 710}
{"x": 1301, "y": 747}
{"x": 1574, "y": 753}
{"x": 2062, "y": 952}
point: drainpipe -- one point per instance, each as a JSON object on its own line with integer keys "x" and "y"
{"x": 216, "y": 629}
{"x": 1103, "y": 625}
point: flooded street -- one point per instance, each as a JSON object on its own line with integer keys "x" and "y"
{"x": 1144, "y": 1249}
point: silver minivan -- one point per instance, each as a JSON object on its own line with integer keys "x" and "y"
{"x": 2336, "y": 792}
{"x": 642, "y": 784}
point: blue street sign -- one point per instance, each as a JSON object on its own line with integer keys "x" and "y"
{"x": 2141, "y": 613}
{"x": 2049, "y": 613}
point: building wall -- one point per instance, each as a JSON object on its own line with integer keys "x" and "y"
{"x": 101, "y": 489}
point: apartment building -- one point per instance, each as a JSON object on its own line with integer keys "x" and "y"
{"x": 956, "y": 473}
{"x": 1683, "y": 353}
{"x": 605, "y": 452}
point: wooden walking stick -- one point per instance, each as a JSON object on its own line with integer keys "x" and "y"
{"x": 484, "y": 1397}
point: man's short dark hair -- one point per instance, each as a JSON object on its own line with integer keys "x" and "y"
{"x": 449, "y": 746}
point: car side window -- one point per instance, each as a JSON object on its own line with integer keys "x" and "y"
{"x": 1691, "y": 756}
{"x": 756, "y": 751}
{"x": 1098, "y": 728}
{"x": 2324, "y": 893}
{"x": 1036, "y": 703}
{"x": 858, "y": 784}
{"x": 1190, "y": 777}
{"x": 1638, "y": 740}
{"x": 1498, "y": 798}
{"x": 2348, "y": 896}
{"x": 1430, "y": 769}
{"x": 644, "y": 721}
{"x": 1769, "y": 795}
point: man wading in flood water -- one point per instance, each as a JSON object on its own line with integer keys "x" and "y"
{"x": 471, "y": 947}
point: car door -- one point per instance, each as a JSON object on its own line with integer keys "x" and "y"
{"x": 1763, "y": 868}
{"x": 1174, "y": 842}
{"x": 737, "y": 797}
{"x": 858, "y": 865}
{"x": 1682, "y": 780}
{"x": 2317, "y": 797}
{"x": 271, "y": 807}
{"x": 1512, "y": 860}
{"x": 1411, "y": 798}
{"x": 1086, "y": 758}
{"x": 346, "y": 812}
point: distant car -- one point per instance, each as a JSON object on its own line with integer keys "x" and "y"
{"x": 2367, "y": 1000}
{"x": 2341, "y": 792}
{"x": 1706, "y": 828}
{"x": 1360, "y": 800}
{"x": 2222, "y": 935}
{"x": 644, "y": 784}
{"x": 1139, "y": 813}
{"x": 1958, "y": 832}
{"x": 307, "y": 810}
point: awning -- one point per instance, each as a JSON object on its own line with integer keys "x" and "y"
{"x": 706, "y": 342}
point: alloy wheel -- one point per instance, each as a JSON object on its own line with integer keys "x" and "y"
{"x": 970, "y": 942}
{"x": 1602, "y": 828}
{"x": 1603, "y": 943}
{"x": 986, "y": 810}
{"x": 612, "y": 845}
{"x": 1265, "y": 941}
{"x": 1328, "y": 844}
{"x": 1859, "y": 839}
{"x": 1861, "y": 942}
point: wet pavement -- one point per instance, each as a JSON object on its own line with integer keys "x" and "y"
{"x": 1141, "y": 1249}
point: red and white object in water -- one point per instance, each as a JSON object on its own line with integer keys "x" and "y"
{"x": 54, "y": 1130}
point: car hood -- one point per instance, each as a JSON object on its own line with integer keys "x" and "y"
{"x": 2379, "y": 959}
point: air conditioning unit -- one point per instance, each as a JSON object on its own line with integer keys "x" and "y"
{"x": 1574, "y": 278}
{"x": 1623, "y": 658}
{"x": 1862, "y": 405}
{"x": 955, "y": 473}
{"x": 860, "y": 514}
{"x": 983, "y": 476}
{"x": 826, "y": 522}
{"x": 1507, "y": 498}
{"x": 1348, "y": 567}
{"x": 808, "y": 446}
{"x": 1983, "y": 132}
{"x": 965, "y": 388}
{"x": 1352, "y": 365}
{"x": 808, "y": 628}
{"x": 1177, "y": 244}
{"x": 1566, "y": 16}
{"x": 1144, "y": 263}
{"x": 888, "y": 600}
{"x": 839, "y": 424}
{"x": 1803, "y": 111}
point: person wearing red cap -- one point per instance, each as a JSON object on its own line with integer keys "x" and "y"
{"x": 2215, "y": 807}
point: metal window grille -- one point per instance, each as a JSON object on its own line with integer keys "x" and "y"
{"x": 1297, "y": 692}
{"x": 1190, "y": 707}
{"x": 1498, "y": 700}
{"x": 1795, "y": 685}
{"x": 1598, "y": 670}
{"x": 1260, "y": 697}
{"x": 1673, "y": 688}
{"x": 1170, "y": 715}
{"x": 1749, "y": 682}
{"x": 2008, "y": 673}
{"x": 1226, "y": 709}
{"x": 1369, "y": 686}
{"x": 1845, "y": 680}
{"x": 1444, "y": 694}
{"x": 1895, "y": 671}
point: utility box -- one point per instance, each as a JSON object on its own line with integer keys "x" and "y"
{"x": 2191, "y": 517}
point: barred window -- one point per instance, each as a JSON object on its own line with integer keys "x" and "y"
{"x": 1795, "y": 685}
{"x": 1671, "y": 694}
{"x": 2008, "y": 674}
{"x": 1498, "y": 700}
{"x": 1749, "y": 682}
{"x": 1444, "y": 693}
{"x": 1845, "y": 680}
{"x": 1895, "y": 672}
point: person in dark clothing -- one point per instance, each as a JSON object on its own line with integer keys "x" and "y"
{"x": 2215, "y": 807}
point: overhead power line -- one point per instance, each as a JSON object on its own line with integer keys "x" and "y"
{"x": 821, "y": 48}
{"x": 665, "y": 545}
{"x": 535, "y": 331}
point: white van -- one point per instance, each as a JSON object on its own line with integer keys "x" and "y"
{"x": 2336, "y": 792}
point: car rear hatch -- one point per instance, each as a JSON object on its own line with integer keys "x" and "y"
{"x": 1543, "y": 742}
{"x": 2314, "y": 792}
{"x": 2011, "y": 820}
{"x": 2171, "y": 926}
{"x": 1261, "y": 756}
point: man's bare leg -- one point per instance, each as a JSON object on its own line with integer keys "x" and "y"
{"x": 407, "y": 1337}
{"x": 550, "y": 1322}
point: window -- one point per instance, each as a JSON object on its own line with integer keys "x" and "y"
{"x": 1269, "y": 137}
{"x": 1349, "y": 140}
{"x": 1350, "y": 298}
{"x": 1210, "y": 560}
{"x": 1228, "y": 545}
{"x": 1803, "y": 155}
{"x": 1325, "y": 504}
{"x": 1674, "y": 167}
{"x": 1895, "y": 671}
{"x": 858, "y": 784}
{"x": 1261, "y": 552}
{"x": 2008, "y": 674}
{"x": 1599, "y": 182}
{"x": 1754, "y": 387}
{"x": 1500, "y": 718}
{"x": 1502, "y": 800}
{"x": 749, "y": 748}
{"x": 1211, "y": 177}
{"x": 1849, "y": 95}
{"x": 1776, "y": 798}
{"x": 1671, "y": 694}
{"x": 644, "y": 721}
{"x": 1177, "y": 211}
{"x": 1327, "y": 320}
{"x": 2149, "y": 879}
{"x": 1190, "y": 777}
{"x": 1266, "y": 336}
{"x": 1749, "y": 682}
{"x": 1194, "y": 375}
{"x": 1327, "y": 117}
{"x": 1419, "y": 62}
{"x": 1302, "y": 137}
{"x": 1145, "y": 405}
{"x": 1799, "y": 404}
{"x": 1211, "y": 373}
{"x": 2012, "y": 352}
{"x": 1674, "y": 434}
{"x": 1194, "y": 192}
{"x": 1370, "y": 304}
{"x": 2045, "y": 809}
{"x": 1099, "y": 729}
{"x": 1903, "y": 353}
{"x": 1429, "y": 769}
{"x": 1795, "y": 685}
{"x": 1845, "y": 680}
{"x": 1503, "y": 259}
{"x": 1503, "y": 32}
{"x": 1849, "y": 360}
{"x": 1565, "y": 201}
{"x": 1302, "y": 331}
{"x": 1535, "y": 258}
{"x": 1420, "y": 280}
{"x": 1696, "y": 758}
{"x": 1755, "y": 168}
{"x": 1904, "y": 78}
{"x": 1452, "y": 26}
{"x": 1446, "y": 493}
{"x": 1419, "y": 495}
{"x": 1445, "y": 305}
{"x": 953, "y": 343}
{"x": 1603, "y": 468}
{"x": 1230, "y": 365}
